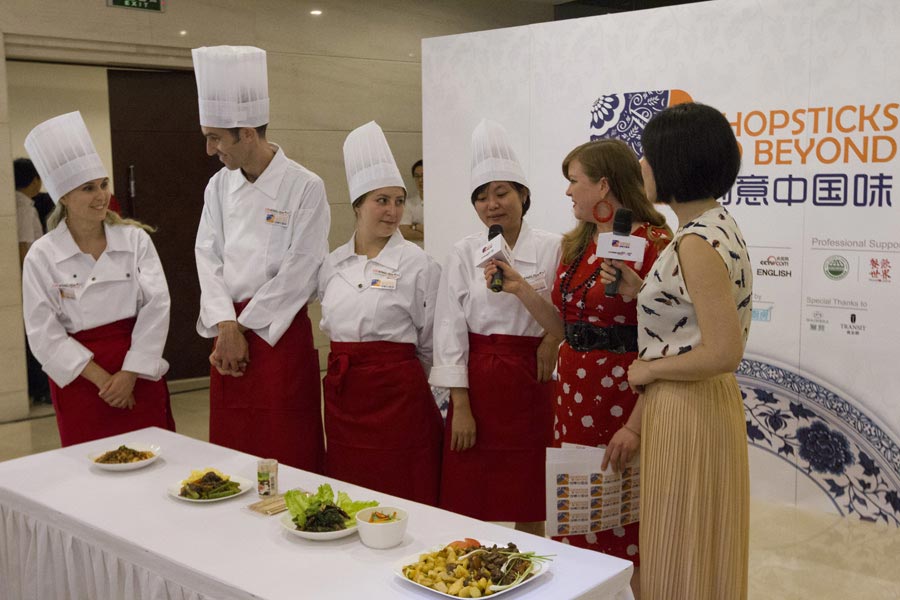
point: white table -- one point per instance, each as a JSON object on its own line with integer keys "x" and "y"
{"x": 72, "y": 531}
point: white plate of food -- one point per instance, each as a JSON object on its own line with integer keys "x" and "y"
{"x": 318, "y": 536}
{"x": 126, "y": 457}
{"x": 209, "y": 485}
{"x": 521, "y": 568}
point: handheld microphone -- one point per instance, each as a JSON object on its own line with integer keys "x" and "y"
{"x": 622, "y": 227}
{"x": 497, "y": 279}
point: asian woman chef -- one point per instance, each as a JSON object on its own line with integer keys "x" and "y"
{"x": 493, "y": 355}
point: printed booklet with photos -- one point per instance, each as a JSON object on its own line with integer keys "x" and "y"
{"x": 583, "y": 499}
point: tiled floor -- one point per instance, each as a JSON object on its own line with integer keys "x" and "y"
{"x": 794, "y": 554}
{"x": 39, "y": 434}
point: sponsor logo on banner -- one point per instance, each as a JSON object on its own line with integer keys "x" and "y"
{"x": 762, "y": 310}
{"x": 622, "y": 116}
{"x": 818, "y": 307}
{"x": 880, "y": 270}
{"x": 817, "y": 321}
{"x": 854, "y": 327}
{"x": 761, "y": 314}
{"x": 836, "y": 267}
{"x": 774, "y": 266}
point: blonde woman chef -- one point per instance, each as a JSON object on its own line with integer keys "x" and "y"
{"x": 94, "y": 295}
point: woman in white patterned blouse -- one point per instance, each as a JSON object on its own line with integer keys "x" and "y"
{"x": 692, "y": 329}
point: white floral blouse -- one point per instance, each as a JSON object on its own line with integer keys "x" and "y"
{"x": 667, "y": 322}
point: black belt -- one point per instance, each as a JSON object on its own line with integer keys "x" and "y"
{"x": 585, "y": 337}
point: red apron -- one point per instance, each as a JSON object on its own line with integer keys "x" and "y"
{"x": 501, "y": 478}
{"x": 80, "y": 413}
{"x": 381, "y": 422}
{"x": 274, "y": 410}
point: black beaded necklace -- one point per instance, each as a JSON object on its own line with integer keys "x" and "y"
{"x": 566, "y": 289}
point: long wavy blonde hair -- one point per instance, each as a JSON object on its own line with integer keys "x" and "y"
{"x": 112, "y": 218}
{"x": 616, "y": 161}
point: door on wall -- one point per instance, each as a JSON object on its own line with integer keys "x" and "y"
{"x": 160, "y": 169}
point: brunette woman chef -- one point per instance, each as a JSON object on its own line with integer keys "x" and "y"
{"x": 95, "y": 297}
{"x": 378, "y": 294}
{"x": 493, "y": 355}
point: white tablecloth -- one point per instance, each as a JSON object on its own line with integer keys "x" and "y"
{"x": 71, "y": 531}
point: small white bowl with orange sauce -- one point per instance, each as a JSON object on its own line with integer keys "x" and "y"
{"x": 382, "y": 526}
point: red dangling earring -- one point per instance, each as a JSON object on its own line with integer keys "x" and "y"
{"x": 609, "y": 214}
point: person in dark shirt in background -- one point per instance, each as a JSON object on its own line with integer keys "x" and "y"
{"x": 28, "y": 185}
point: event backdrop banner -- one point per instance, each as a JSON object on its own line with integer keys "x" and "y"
{"x": 812, "y": 90}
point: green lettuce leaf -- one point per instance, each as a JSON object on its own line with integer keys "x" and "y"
{"x": 302, "y": 506}
{"x": 324, "y": 495}
{"x": 350, "y": 507}
{"x": 297, "y": 503}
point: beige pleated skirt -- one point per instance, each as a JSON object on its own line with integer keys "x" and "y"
{"x": 695, "y": 491}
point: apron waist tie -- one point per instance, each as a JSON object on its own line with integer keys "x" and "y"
{"x": 345, "y": 354}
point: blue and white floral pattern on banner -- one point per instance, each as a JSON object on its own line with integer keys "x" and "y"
{"x": 623, "y": 116}
{"x": 829, "y": 440}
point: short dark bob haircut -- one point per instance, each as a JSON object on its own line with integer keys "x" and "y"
{"x": 693, "y": 153}
{"x": 418, "y": 163}
{"x": 522, "y": 189}
{"x": 24, "y": 173}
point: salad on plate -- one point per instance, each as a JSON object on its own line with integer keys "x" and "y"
{"x": 323, "y": 511}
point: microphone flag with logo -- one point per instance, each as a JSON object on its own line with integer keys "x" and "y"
{"x": 621, "y": 227}
{"x": 497, "y": 279}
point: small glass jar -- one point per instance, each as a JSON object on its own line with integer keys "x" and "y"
{"x": 267, "y": 477}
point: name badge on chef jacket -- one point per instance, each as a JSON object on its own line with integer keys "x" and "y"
{"x": 67, "y": 290}
{"x": 538, "y": 281}
{"x": 277, "y": 217}
{"x": 384, "y": 279}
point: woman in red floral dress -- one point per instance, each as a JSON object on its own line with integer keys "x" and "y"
{"x": 593, "y": 399}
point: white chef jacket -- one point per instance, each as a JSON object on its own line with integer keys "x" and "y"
{"x": 387, "y": 298}
{"x": 28, "y": 223}
{"x": 263, "y": 240}
{"x": 64, "y": 291}
{"x": 465, "y": 304}
{"x": 413, "y": 211}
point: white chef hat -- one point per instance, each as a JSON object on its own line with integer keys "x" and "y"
{"x": 63, "y": 154}
{"x": 232, "y": 86}
{"x": 369, "y": 162}
{"x": 493, "y": 158}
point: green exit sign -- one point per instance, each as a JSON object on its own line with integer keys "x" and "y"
{"x": 151, "y": 5}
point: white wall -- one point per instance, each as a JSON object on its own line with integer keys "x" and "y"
{"x": 39, "y": 91}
